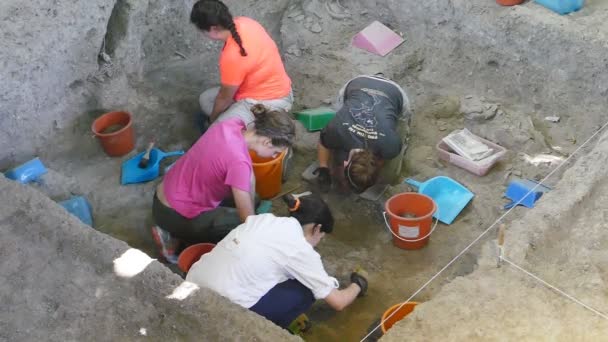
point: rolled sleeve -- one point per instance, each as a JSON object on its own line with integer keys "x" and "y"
{"x": 239, "y": 176}
{"x": 307, "y": 268}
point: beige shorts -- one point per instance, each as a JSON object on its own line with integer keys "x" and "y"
{"x": 241, "y": 109}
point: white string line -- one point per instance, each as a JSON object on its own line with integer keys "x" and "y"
{"x": 557, "y": 290}
{"x": 488, "y": 229}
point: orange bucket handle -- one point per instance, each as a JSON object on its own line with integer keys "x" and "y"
{"x": 408, "y": 240}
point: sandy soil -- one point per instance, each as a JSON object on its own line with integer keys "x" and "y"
{"x": 360, "y": 238}
{"x": 463, "y": 303}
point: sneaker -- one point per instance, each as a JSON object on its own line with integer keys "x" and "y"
{"x": 203, "y": 122}
{"x": 166, "y": 244}
{"x": 323, "y": 179}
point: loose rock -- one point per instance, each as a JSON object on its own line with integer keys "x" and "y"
{"x": 445, "y": 107}
{"x": 316, "y": 28}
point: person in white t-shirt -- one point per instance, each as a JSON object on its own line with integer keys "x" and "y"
{"x": 268, "y": 264}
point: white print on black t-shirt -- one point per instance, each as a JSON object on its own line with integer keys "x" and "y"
{"x": 364, "y": 116}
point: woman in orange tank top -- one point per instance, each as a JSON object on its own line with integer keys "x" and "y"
{"x": 251, "y": 69}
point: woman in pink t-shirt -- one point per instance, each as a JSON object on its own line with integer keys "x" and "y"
{"x": 190, "y": 202}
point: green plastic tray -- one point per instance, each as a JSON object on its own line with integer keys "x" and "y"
{"x": 315, "y": 119}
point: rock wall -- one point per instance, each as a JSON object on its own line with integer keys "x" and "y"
{"x": 525, "y": 55}
{"x": 53, "y": 74}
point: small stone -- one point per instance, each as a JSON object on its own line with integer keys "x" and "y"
{"x": 316, "y": 28}
{"x": 327, "y": 101}
{"x": 517, "y": 173}
{"x": 506, "y": 176}
{"x": 468, "y": 97}
{"x": 445, "y": 107}
{"x": 309, "y": 19}
{"x": 442, "y": 128}
{"x": 294, "y": 14}
{"x": 294, "y": 50}
{"x": 299, "y": 18}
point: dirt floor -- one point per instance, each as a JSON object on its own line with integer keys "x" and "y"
{"x": 493, "y": 84}
{"x": 360, "y": 238}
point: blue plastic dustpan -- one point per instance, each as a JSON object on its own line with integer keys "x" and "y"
{"x": 520, "y": 190}
{"x": 132, "y": 173}
{"x": 449, "y": 195}
{"x": 79, "y": 207}
{"x": 27, "y": 172}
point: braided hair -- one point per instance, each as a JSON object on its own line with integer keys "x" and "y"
{"x": 207, "y": 13}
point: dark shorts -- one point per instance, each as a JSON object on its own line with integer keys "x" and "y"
{"x": 284, "y": 303}
{"x": 211, "y": 226}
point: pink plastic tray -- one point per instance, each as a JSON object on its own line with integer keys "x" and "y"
{"x": 377, "y": 38}
{"x": 480, "y": 168}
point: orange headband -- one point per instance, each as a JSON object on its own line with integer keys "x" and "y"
{"x": 295, "y": 206}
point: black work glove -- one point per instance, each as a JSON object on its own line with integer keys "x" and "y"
{"x": 323, "y": 179}
{"x": 360, "y": 280}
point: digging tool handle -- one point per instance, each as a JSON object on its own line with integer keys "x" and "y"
{"x": 286, "y": 192}
{"x": 413, "y": 182}
{"x": 171, "y": 154}
{"x": 501, "y": 235}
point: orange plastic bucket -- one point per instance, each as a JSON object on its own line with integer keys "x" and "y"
{"x": 509, "y": 2}
{"x": 192, "y": 254}
{"x": 268, "y": 174}
{"x": 410, "y": 217}
{"x": 388, "y": 321}
{"x": 115, "y": 133}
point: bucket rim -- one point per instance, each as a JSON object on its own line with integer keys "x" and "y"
{"x": 395, "y": 216}
{"x": 273, "y": 161}
{"x": 127, "y": 126}
{"x": 186, "y": 254}
{"x": 390, "y": 311}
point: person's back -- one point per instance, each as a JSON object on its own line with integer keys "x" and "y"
{"x": 261, "y": 74}
{"x": 369, "y": 115}
{"x": 201, "y": 178}
{"x": 269, "y": 265}
{"x": 367, "y": 138}
{"x": 256, "y": 256}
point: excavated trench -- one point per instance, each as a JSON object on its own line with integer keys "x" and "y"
{"x": 497, "y": 71}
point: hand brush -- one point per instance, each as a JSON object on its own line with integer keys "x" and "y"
{"x": 143, "y": 163}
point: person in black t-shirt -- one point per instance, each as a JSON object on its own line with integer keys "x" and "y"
{"x": 368, "y": 133}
